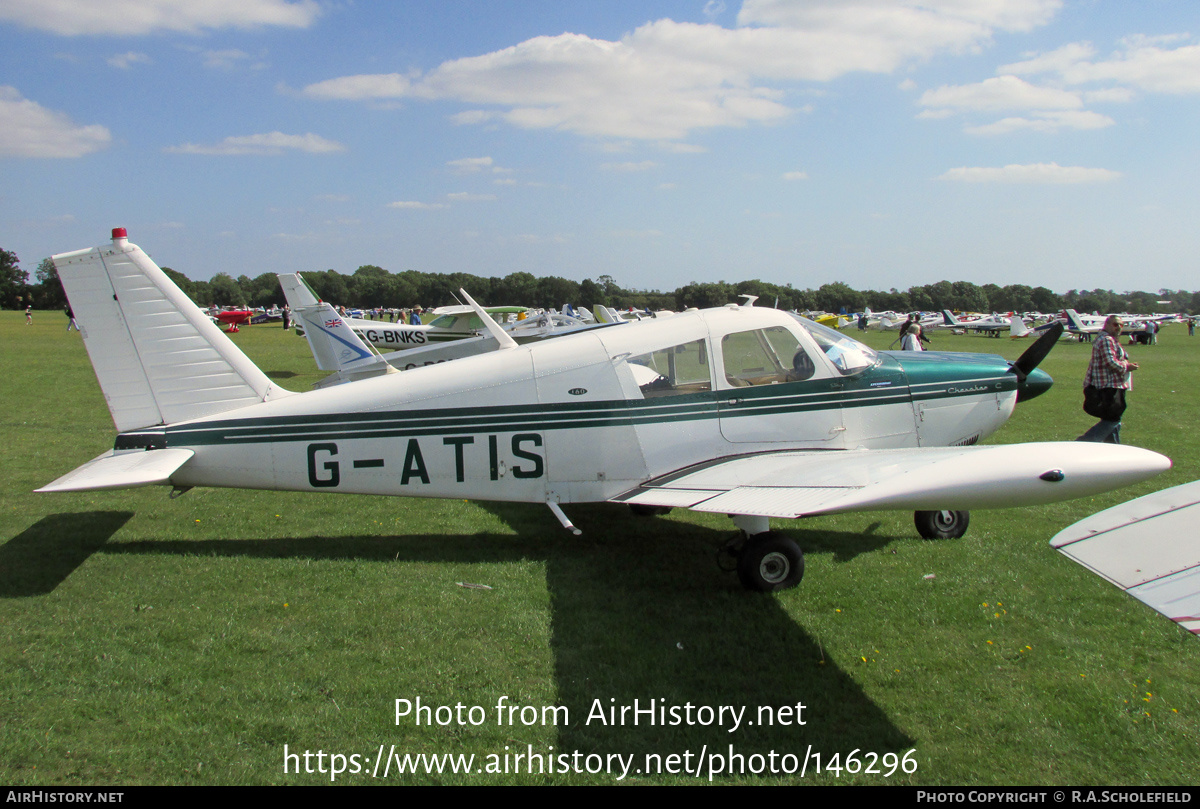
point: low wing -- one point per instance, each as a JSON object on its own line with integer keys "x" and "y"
{"x": 122, "y": 470}
{"x": 805, "y": 483}
{"x": 1148, "y": 547}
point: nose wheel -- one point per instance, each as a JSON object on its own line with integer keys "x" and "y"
{"x": 942, "y": 524}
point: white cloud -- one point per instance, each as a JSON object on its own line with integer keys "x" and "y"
{"x": 409, "y": 205}
{"x": 470, "y": 165}
{"x": 1049, "y": 109}
{"x": 926, "y": 18}
{"x": 533, "y": 238}
{"x": 713, "y": 9}
{"x": 1144, "y": 64}
{"x": 676, "y": 147}
{"x": 28, "y": 129}
{"x": 666, "y": 78}
{"x": 630, "y": 167}
{"x": 792, "y": 176}
{"x": 124, "y": 61}
{"x": 1048, "y": 122}
{"x": 648, "y": 233}
{"x": 361, "y": 88}
{"x": 1037, "y": 173}
{"x": 470, "y": 117}
{"x": 1000, "y": 93}
{"x": 266, "y": 144}
{"x": 135, "y": 17}
{"x": 476, "y": 165}
{"x": 224, "y": 60}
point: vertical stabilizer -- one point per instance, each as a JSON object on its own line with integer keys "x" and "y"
{"x": 296, "y": 291}
{"x": 334, "y": 344}
{"x": 158, "y": 358}
{"x": 1073, "y": 321}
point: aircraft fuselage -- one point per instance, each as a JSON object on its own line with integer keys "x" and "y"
{"x": 588, "y": 416}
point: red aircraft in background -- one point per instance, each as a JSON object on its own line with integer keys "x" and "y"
{"x": 232, "y": 317}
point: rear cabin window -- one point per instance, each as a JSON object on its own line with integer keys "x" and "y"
{"x": 764, "y": 357}
{"x": 673, "y": 371}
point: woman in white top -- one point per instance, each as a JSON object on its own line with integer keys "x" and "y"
{"x": 912, "y": 339}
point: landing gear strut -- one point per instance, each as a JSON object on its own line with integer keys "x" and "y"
{"x": 766, "y": 560}
{"x": 942, "y": 524}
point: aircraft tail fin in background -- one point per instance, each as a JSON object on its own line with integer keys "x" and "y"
{"x": 1073, "y": 321}
{"x": 158, "y": 357}
{"x": 1017, "y": 327}
{"x": 334, "y": 344}
{"x": 949, "y": 319}
{"x": 296, "y": 291}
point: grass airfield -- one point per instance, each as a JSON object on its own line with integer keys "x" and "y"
{"x": 146, "y": 640}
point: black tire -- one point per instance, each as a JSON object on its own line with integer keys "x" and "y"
{"x": 770, "y": 561}
{"x": 640, "y": 510}
{"x": 942, "y": 524}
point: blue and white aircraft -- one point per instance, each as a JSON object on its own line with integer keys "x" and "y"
{"x": 739, "y": 410}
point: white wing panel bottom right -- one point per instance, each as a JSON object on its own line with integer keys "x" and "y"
{"x": 1148, "y": 547}
{"x": 804, "y": 483}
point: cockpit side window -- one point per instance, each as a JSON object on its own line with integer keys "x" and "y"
{"x": 764, "y": 357}
{"x": 847, "y": 355}
{"x": 673, "y": 371}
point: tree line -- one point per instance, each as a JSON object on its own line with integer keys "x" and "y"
{"x": 370, "y": 286}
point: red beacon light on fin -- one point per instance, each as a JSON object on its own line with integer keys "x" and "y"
{"x": 119, "y": 233}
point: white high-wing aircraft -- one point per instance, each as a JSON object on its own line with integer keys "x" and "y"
{"x": 744, "y": 411}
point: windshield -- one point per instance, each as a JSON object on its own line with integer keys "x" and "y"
{"x": 847, "y": 354}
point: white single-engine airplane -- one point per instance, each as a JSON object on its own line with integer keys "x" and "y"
{"x": 744, "y": 411}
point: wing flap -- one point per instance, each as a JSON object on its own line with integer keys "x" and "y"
{"x": 122, "y": 470}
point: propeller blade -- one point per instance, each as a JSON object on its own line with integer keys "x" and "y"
{"x": 1037, "y": 352}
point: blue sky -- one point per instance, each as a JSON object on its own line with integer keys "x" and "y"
{"x": 878, "y": 143}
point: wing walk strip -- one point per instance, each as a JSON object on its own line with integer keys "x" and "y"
{"x": 531, "y": 417}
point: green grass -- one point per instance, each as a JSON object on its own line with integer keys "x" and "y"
{"x": 145, "y": 640}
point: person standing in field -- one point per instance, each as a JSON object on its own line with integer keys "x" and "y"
{"x": 1105, "y": 382}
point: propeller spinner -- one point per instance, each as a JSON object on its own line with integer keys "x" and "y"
{"x": 1030, "y": 381}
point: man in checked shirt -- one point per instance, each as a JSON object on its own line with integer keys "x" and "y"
{"x": 1109, "y": 372}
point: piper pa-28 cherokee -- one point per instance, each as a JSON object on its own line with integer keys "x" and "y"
{"x": 744, "y": 411}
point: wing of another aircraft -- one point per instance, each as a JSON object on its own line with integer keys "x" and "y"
{"x": 804, "y": 483}
{"x": 1148, "y": 547}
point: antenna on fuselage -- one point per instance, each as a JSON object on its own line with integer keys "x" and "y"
{"x": 750, "y": 299}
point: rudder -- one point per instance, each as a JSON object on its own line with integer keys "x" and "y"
{"x": 157, "y": 357}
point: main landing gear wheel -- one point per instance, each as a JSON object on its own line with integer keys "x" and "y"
{"x": 770, "y": 561}
{"x": 942, "y": 524}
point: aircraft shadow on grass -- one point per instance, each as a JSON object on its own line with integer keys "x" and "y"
{"x": 41, "y": 557}
{"x": 685, "y": 634}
